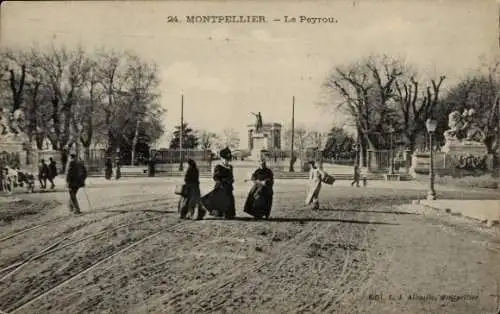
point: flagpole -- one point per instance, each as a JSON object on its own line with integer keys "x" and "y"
{"x": 181, "y": 133}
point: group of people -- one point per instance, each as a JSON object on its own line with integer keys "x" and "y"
{"x": 47, "y": 172}
{"x": 220, "y": 202}
{"x": 14, "y": 177}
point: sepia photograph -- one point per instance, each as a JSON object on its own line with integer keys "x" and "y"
{"x": 287, "y": 156}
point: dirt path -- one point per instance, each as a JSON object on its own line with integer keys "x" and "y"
{"x": 301, "y": 261}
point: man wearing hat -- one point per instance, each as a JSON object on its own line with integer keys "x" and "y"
{"x": 75, "y": 179}
{"x": 220, "y": 201}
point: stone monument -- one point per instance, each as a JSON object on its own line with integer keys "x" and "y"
{"x": 13, "y": 141}
{"x": 464, "y": 150}
{"x": 263, "y": 137}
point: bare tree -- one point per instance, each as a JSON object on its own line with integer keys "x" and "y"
{"x": 229, "y": 138}
{"x": 366, "y": 89}
{"x": 301, "y": 137}
{"x": 207, "y": 140}
{"x": 316, "y": 139}
{"x": 416, "y": 106}
{"x": 15, "y": 66}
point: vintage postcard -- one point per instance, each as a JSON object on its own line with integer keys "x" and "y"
{"x": 250, "y": 156}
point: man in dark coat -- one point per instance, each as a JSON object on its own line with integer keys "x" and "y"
{"x": 43, "y": 174}
{"x": 75, "y": 179}
{"x": 52, "y": 172}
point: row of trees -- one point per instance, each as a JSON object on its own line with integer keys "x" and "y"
{"x": 203, "y": 139}
{"x": 73, "y": 98}
{"x": 303, "y": 139}
{"x": 380, "y": 95}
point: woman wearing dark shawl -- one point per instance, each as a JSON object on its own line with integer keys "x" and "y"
{"x": 220, "y": 201}
{"x": 260, "y": 198}
{"x": 188, "y": 203}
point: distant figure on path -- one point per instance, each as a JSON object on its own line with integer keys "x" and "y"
{"x": 118, "y": 172}
{"x": 315, "y": 180}
{"x": 75, "y": 179}
{"x": 220, "y": 201}
{"x": 108, "y": 172}
{"x": 52, "y": 172}
{"x": 188, "y": 203}
{"x": 260, "y": 198}
{"x": 357, "y": 175}
{"x": 43, "y": 174}
{"x": 152, "y": 166}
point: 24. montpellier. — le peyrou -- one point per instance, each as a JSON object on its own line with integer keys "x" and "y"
{"x": 256, "y": 19}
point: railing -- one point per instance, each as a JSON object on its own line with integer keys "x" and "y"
{"x": 384, "y": 160}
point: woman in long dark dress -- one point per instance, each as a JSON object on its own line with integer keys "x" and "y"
{"x": 188, "y": 203}
{"x": 260, "y": 198}
{"x": 220, "y": 201}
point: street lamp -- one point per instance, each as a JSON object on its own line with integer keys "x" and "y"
{"x": 391, "y": 169}
{"x": 431, "y": 128}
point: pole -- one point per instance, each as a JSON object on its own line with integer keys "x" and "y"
{"x": 431, "y": 195}
{"x": 181, "y": 133}
{"x": 134, "y": 142}
{"x": 293, "y": 135}
{"x": 391, "y": 155}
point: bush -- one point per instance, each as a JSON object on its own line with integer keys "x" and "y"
{"x": 484, "y": 182}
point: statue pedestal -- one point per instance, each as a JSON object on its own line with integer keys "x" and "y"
{"x": 464, "y": 147}
{"x": 260, "y": 143}
{"x": 10, "y": 150}
{"x": 464, "y": 158}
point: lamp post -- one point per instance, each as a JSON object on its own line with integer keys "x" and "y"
{"x": 391, "y": 169}
{"x": 431, "y": 128}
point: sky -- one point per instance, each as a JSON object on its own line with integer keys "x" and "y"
{"x": 227, "y": 71}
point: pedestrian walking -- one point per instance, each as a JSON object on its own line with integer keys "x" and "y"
{"x": 75, "y": 179}
{"x": 260, "y": 198}
{"x": 152, "y": 166}
{"x": 43, "y": 174}
{"x": 52, "y": 172}
{"x": 314, "y": 186}
{"x": 220, "y": 201}
{"x": 191, "y": 193}
{"x": 357, "y": 175}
